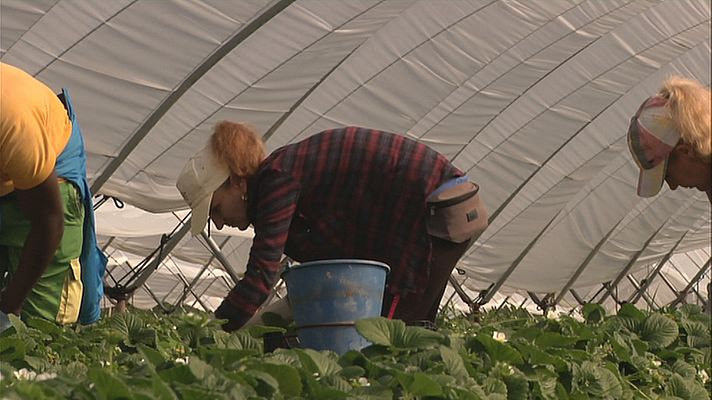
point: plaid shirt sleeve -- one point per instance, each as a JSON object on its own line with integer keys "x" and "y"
{"x": 277, "y": 201}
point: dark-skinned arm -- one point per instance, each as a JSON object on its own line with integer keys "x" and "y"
{"x": 42, "y": 206}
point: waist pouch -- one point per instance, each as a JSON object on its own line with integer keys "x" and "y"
{"x": 455, "y": 211}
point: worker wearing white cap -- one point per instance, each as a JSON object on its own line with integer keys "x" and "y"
{"x": 669, "y": 138}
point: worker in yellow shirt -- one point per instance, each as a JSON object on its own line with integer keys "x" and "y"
{"x": 50, "y": 266}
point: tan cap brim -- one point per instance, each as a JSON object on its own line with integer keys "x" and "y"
{"x": 200, "y": 216}
{"x": 651, "y": 180}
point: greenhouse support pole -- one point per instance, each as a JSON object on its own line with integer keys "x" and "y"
{"x": 651, "y": 302}
{"x": 217, "y": 252}
{"x": 153, "y": 295}
{"x": 578, "y": 298}
{"x": 209, "y": 62}
{"x": 198, "y": 297}
{"x": 503, "y": 303}
{"x": 545, "y": 303}
{"x": 628, "y": 266}
{"x": 487, "y": 294}
{"x": 669, "y": 284}
{"x": 108, "y": 243}
{"x": 465, "y": 298}
{"x": 165, "y": 250}
{"x": 189, "y": 287}
{"x": 692, "y": 282}
{"x": 695, "y": 291}
{"x": 602, "y": 288}
{"x": 649, "y": 279}
{"x": 584, "y": 264}
{"x": 184, "y": 294}
{"x": 523, "y": 302}
{"x": 613, "y": 295}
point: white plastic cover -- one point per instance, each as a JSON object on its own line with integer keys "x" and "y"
{"x": 531, "y": 98}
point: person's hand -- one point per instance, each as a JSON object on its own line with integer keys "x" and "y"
{"x": 236, "y": 317}
{"x": 4, "y": 322}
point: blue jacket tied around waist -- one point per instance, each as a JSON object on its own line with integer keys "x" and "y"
{"x": 71, "y": 165}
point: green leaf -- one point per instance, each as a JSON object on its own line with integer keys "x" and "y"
{"x": 686, "y": 389}
{"x": 352, "y": 372}
{"x": 125, "y": 323}
{"x": 499, "y": 351}
{"x": 544, "y": 388}
{"x": 419, "y": 338}
{"x": 630, "y": 324}
{"x": 373, "y": 393}
{"x": 535, "y": 356}
{"x": 553, "y": 339}
{"x": 630, "y": 311}
{"x": 421, "y": 384}
{"x": 267, "y": 384}
{"x": 199, "y": 368}
{"x": 593, "y": 312}
{"x": 394, "y": 333}
{"x": 698, "y": 334}
{"x": 286, "y": 376}
{"x": 240, "y": 340}
{"x": 179, "y": 373}
{"x": 20, "y": 326}
{"x": 160, "y": 390}
{"x": 325, "y": 362}
{"x": 259, "y": 331}
{"x": 152, "y": 356}
{"x": 493, "y": 386}
{"x": 198, "y": 393}
{"x": 621, "y": 348}
{"x": 379, "y": 330}
{"x": 684, "y": 369}
{"x": 691, "y": 310}
{"x": 44, "y": 326}
{"x": 596, "y": 381}
{"x": 147, "y": 336}
{"x": 12, "y": 348}
{"x": 658, "y": 330}
{"x": 454, "y": 364}
{"x": 108, "y": 386}
{"x": 517, "y": 386}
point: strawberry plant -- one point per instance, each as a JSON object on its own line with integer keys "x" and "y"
{"x": 504, "y": 354}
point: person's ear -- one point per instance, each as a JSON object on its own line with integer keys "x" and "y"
{"x": 239, "y": 181}
{"x": 683, "y": 149}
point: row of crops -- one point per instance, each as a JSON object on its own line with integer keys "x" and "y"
{"x": 505, "y": 354}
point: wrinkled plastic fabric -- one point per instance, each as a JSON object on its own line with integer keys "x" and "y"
{"x": 537, "y": 112}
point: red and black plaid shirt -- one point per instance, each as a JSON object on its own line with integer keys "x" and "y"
{"x": 342, "y": 193}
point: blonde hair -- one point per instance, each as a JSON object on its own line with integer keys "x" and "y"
{"x": 239, "y": 146}
{"x": 689, "y": 105}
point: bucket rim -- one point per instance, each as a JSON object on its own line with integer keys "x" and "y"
{"x": 339, "y": 261}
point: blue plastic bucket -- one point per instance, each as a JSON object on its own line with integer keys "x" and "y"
{"x": 327, "y": 297}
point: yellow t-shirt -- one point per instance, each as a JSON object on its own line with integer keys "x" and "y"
{"x": 34, "y": 129}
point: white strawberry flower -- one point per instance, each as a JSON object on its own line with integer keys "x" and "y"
{"x": 45, "y": 376}
{"x": 499, "y": 336}
{"x": 25, "y": 374}
{"x": 702, "y": 374}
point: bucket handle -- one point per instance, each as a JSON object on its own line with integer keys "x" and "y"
{"x": 328, "y": 325}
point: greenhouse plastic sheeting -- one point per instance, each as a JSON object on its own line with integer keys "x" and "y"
{"x": 532, "y": 99}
